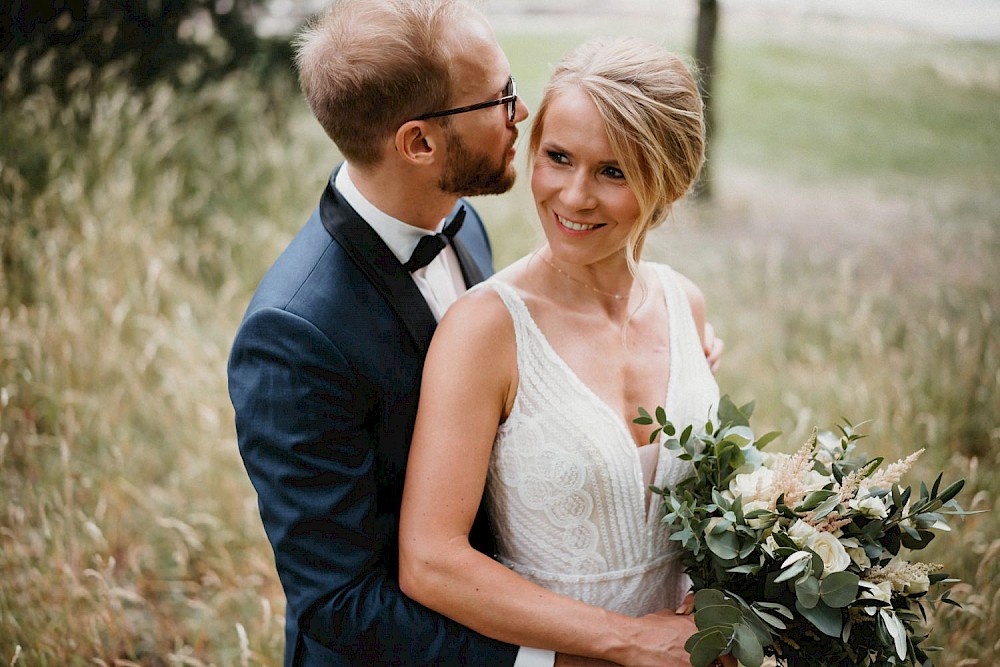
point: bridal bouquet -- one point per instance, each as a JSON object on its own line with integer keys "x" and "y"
{"x": 804, "y": 557}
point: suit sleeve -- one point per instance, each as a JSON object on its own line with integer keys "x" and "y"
{"x": 300, "y": 416}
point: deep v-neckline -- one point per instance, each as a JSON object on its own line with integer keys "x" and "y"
{"x": 620, "y": 420}
{"x": 621, "y": 424}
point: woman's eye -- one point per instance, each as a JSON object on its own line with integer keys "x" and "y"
{"x": 614, "y": 172}
{"x": 557, "y": 157}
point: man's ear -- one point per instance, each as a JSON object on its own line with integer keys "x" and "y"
{"x": 416, "y": 144}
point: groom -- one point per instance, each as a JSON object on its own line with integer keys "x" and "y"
{"x": 326, "y": 365}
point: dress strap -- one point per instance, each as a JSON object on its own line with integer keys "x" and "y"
{"x": 515, "y": 306}
{"x": 685, "y": 341}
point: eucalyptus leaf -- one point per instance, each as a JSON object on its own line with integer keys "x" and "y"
{"x": 771, "y": 620}
{"x": 766, "y": 439}
{"x": 706, "y": 646}
{"x": 839, "y": 589}
{"x": 739, "y": 435}
{"x": 777, "y": 607}
{"x": 752, "y": 620}
{"x": 730, "y": 414}
{"x": 807, "y": 591}
{"x": 709, "y": 596}
{"x": 746, "y": 648}
{"x": 793, "y": 571}
{"x": 720, "y": 500}
{"x": 716, "y": 615}
{"x": 827, "y": 620}
{"x": 724, "y": 545}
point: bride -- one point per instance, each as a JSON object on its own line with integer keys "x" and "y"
{"x": 533, "y": 377}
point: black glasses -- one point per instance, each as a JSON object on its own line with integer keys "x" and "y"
{"x": 509, "y": 98}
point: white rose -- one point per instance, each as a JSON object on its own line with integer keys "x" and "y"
{"x": 800, "y": 532}
{"x": 870, "y": 506}
{"x": 881, "y": 592}
{"x": 830, "y": 551}
{"x": 761, "y": 521}
{"x": 757, "y": 485}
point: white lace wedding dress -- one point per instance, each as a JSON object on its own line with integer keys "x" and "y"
{"x": 566, "y": 488}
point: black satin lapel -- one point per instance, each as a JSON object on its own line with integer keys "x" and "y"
{"x": 380, "y": 266}
{"x": 470, "y": 270}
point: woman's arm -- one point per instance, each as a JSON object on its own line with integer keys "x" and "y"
{"x": 469, "y": 382}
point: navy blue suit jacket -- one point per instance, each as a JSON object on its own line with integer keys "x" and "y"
{"x": 324, "y": 376}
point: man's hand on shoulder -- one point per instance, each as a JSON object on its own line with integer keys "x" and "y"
{"x": 713, "y": 347}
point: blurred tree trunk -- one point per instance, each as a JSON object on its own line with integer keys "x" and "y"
{"x": 704, "y": 55}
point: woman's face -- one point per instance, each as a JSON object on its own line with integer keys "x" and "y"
{"x": 585, "y": 207}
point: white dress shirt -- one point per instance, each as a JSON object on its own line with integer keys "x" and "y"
{"x": 441, "y": 283}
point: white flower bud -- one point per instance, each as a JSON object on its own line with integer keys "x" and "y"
{"x": 881, "y": 592}
{"x": 870, "y": 506}
{"x": 919, "y": 584}
{"x": 758, "y": 522}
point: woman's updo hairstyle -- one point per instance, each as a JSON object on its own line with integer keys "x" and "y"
{"x": 652, "y": 113}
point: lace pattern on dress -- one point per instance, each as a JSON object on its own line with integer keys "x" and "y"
{"x": 565, "y": 487}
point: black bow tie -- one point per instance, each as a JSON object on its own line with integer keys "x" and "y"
{"x": 429, "y": 246}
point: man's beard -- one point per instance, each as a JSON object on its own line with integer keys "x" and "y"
{"x": 467, "y": 173}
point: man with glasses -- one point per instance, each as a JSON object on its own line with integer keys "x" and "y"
{"x": 325, "y": 369}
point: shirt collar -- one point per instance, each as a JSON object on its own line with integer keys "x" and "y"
{"x": 402, "y": 238}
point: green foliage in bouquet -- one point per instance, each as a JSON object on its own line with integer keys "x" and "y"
{"x": 802, "y": 557}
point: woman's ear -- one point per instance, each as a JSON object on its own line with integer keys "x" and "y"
{"x": 415, "y": 143}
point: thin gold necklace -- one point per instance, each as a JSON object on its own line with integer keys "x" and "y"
{"x": 618, "y": 297}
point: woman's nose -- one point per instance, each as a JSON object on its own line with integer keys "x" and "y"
{"x": 577, "y": 194}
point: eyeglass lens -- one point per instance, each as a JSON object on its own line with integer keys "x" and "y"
{"x": 511, "y": 90}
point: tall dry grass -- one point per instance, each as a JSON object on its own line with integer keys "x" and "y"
{"x": 133, "y": 228}
{"x": 128, "y": 530}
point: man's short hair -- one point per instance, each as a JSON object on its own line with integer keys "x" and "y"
{"x": 368, "y": 66}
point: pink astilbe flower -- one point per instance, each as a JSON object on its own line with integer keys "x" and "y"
{"x": 891, "y": 474}
{"x": 851, "y": 485}
{"x": 792, "y": 472}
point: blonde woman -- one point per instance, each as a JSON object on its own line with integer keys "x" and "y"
{"x": 532, "y": 379}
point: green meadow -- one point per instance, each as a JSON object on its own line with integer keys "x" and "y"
{"x": 850, "y": 259}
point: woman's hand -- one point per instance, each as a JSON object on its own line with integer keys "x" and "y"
{"x": 658, "y": 640}
{"x": 687, "y": 607}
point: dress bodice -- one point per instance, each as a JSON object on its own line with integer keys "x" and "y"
{"x": 565, "y": 488}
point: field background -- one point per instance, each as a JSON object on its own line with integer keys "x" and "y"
{"x": 850, "y": 259}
